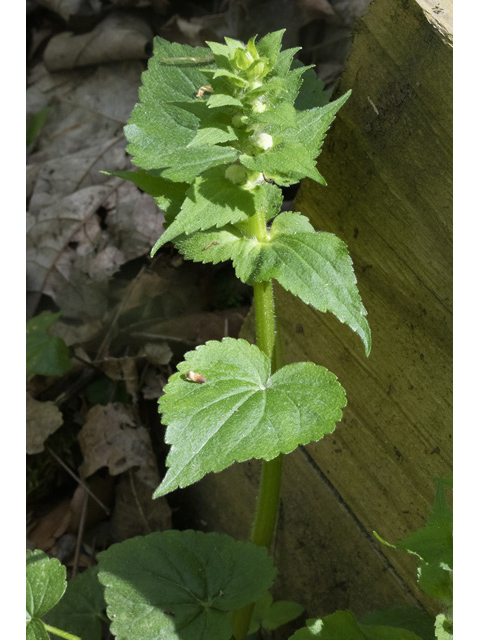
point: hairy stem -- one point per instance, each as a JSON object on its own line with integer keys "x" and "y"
{"x": 266, "y": 511}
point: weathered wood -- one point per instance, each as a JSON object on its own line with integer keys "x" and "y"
{"x": 387, "y": 161}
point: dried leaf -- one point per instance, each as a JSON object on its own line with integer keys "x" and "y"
{"x": 43, "y": 419}
{"x": 153, "y": 384}
{"x": 135, "y": 513}
{"x": 68, "y": 8}
{"x": 158, "y": 353}
{"x": 118, "y": 37}
{"x": 112, "y": 438}
{"x": 121, "y": 369}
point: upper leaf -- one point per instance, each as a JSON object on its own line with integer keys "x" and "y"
{"x": 159, "y": 129}
{"x": 295, "y": 146}
{"x": 181, "y": 585}
{"x": 46, "y": 584}
{"x": 242, "y": 411}
{"x": 314, "y": 266}
{"x": 213, "y": 200}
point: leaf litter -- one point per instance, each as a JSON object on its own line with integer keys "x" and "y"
{"x": 125, "y": 318}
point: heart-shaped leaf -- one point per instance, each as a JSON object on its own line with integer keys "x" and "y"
{"x": 181, "y": 585}
{"x": 242, "y": 411}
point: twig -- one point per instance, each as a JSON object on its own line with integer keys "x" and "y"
{"x": 79, "y": 480}
{"x": 81, "y": 529}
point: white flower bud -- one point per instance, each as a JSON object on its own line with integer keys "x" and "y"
{"x": 263, "y": 141}
{"x": 258, "y": 106}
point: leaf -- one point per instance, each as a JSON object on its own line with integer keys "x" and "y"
{"x": 159, "y": 130}
{"x": 296, "y": 148}
{"x": 212, "y": 201}
{"x": 316, "y": 267}
{"x": 312, "y": 93}
{"x": 46, "y": 584}
{"x": 433, "y": 544}
{"x": 271, "y": 615}
{"x": 47, "y": 355}
{"x": 342, "y": 625}
{"x": 410, "y": 618}
{"x": 80, "y": 611}
{"x": 181, "y": 584}
{"x": 112, "y": 438}
{"x": 242, "y": 411}
{"x": 43, "y": 419}
{"x": 443, "y": 628}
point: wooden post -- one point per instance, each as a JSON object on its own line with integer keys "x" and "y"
{"x": 388, "y": 164}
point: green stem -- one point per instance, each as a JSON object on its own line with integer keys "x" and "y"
{"x": 266, "y": 511}
{"x": 60, "y": 633}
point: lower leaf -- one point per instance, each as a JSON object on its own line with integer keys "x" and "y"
{"x": 181, "y": 585}
{"x": 240, "y": 411}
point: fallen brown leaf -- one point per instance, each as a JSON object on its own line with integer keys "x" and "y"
{"x": 43, "y": 419}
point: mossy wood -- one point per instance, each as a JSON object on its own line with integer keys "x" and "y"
{"x": 387, "y": 162}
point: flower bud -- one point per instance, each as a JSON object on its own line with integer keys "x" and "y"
{"x": 263, "y": 141}
{"x": 236, "y": 173}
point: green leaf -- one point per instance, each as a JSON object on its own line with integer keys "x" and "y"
{"x": 242, "y": 411}
{"x": 342, "y": 625}
{"x": 433, "y": 544}
{"x": 212, "y": 201}
{"x": 81, "y": 609}
{"x": 296, "y": 148}
{"x": 46, "y": 584}
{"x": 36, "y": 630}
{"x": 47, "y": 355}
{"x": 410, "y": 618}
{"x": 443, "y": 628}
{"x": 181, "y": 585}
{"x": 159, "y": 129}
{"x": 316, "y": 267}
{"x": 271, "y": 615}
{"x": 312, "y": 93}
{"x": 185, "y": 164}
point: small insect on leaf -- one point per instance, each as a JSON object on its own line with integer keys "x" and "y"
{"x": 195, "y": 377}
{"x": 202, "y": 90}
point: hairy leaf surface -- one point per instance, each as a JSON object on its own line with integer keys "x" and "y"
{"x": 314, "y": 266}
{"x": 242, "y": 411}
{"x": 181, "y": 585}
{"x": 296, "y": 147}
{"x": 159, "y": 129}
{"x": 212, "y": 201}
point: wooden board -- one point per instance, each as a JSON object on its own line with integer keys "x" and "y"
{"x": 387, "y": 161}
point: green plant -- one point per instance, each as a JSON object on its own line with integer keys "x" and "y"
{"x": 216, "y": 134}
